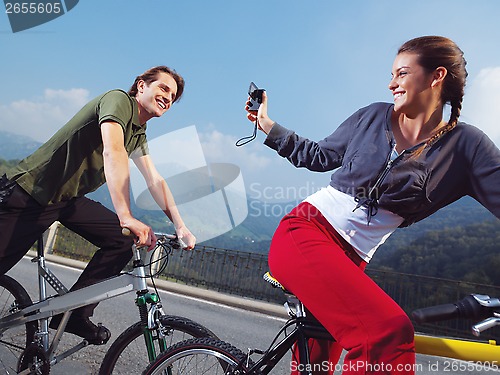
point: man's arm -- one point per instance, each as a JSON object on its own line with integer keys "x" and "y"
{"x": 163, "y": 197}
{"x": 116, "y": 170}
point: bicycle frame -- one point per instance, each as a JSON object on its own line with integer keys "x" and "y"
{"x": 67, "y": 301}
{"x": 475, "y": 351}
{"x": 466, "y": 350}
{"x": 302, "y": 331}
{"x": 304, "y": 328}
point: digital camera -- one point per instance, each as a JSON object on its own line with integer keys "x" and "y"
{"x": 255, "y": 96}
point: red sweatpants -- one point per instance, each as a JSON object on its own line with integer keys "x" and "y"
{"x": 314, "y": 262}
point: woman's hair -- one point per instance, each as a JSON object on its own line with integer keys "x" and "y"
{"x": 434, "y": 52}
{"x": 151, "y": 75}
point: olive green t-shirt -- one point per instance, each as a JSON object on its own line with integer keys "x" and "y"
{"x": 70, "y": 164}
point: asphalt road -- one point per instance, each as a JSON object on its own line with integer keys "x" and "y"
{"x": 238, "y": 325}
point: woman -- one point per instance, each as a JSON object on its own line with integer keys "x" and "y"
{"x": 397, "y": 164}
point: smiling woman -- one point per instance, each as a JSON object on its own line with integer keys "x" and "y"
{"x": 426, "y": 70}
{"x": 394, "y": 164}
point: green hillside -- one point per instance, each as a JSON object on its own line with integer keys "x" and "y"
{"x": 469, "y": 253}
{"x": 464, "y": 212}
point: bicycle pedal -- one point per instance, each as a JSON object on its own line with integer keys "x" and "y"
{"x": 102, "y": 336}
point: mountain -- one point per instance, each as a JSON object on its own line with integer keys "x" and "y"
{"x": 254, "y": 234}
{"x": 14, "y": 146}
{"x": 463, "y": 213}
{"x": 468, "y": 253}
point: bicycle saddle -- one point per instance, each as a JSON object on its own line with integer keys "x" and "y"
{"x": 270, "y": 279}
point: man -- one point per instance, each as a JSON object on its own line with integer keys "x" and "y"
{"x": 91, "y": 149}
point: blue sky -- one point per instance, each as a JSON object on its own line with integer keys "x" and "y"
{"x": 319, "y": 61}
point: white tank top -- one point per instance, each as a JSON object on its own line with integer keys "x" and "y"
{"x": 339, "y": 209}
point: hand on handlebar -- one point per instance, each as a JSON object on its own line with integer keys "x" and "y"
{"x": 186, "y": 238}
{"x": 143, "y": 234}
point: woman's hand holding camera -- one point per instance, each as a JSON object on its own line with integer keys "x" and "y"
{"x": 263, "y": 121}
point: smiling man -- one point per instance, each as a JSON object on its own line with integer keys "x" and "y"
{"x": 90, "y": 149}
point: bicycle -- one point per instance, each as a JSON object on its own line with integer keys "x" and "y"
{"x": 25, "y": 345}
{"x": 212, "y": 356}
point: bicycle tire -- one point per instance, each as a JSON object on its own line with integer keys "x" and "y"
{"x": 13, "y": 342}
{"x": 128, "y": 355}
{"x": 205, "y": 356}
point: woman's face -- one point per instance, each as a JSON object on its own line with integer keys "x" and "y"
{"x": 411, "y": 85}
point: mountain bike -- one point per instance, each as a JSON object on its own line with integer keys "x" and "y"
{"x": 26, "y": 346}
{"x": 203, "y": 356}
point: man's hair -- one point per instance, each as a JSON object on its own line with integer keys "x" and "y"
{"x": 151, "y": 75}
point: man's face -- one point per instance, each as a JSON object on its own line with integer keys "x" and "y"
{"x": 157, "y": 97}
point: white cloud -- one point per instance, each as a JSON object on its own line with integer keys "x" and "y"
{"x": 41, "y": 117}
{"x": 482, "y": 103}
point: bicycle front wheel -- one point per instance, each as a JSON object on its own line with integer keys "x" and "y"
{"x": 128, "y": 354}
{"x": 205, "y": 356}
{"x": 13, "y": 341}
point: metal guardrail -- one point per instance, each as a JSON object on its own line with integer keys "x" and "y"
{"x": 240, "y": 273}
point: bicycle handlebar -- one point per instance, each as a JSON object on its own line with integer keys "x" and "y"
{"x": 126, "y": 232}
{"x": 175, "y": 241}
{"x": 470, "y": 307}
{"x": 435, "y": 313}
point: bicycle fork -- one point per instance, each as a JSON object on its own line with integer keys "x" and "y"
{"x": 150, "y": 322}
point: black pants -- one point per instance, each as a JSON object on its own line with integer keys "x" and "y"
{"x": 23, "y": 220}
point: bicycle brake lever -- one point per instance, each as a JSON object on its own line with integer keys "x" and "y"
{"x": 175, "y": 241}
{"x": 485, "y": 324}
{"x": 487, "y": 301}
